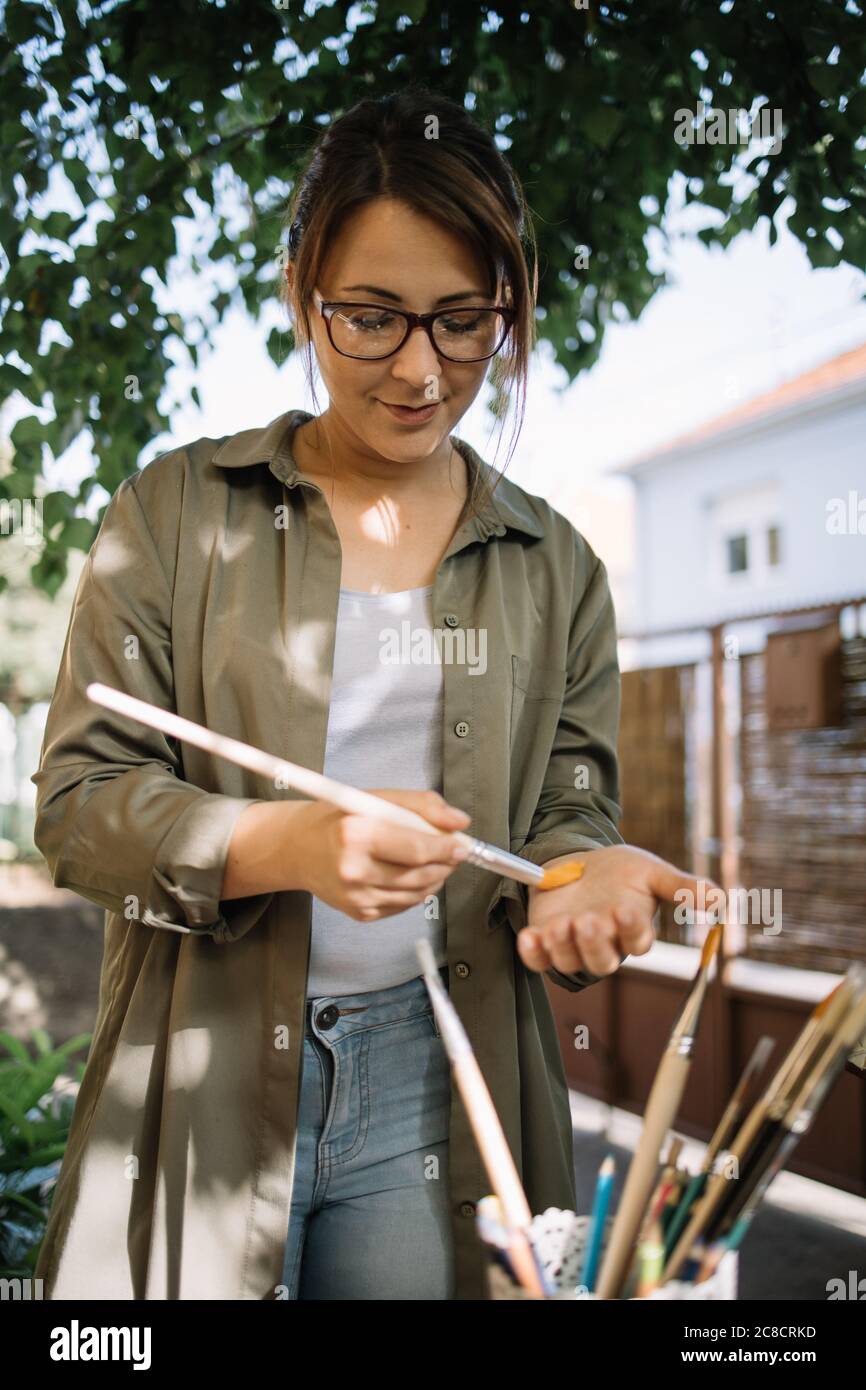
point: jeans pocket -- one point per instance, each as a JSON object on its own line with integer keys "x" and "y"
{"x": 432, "y": 1023}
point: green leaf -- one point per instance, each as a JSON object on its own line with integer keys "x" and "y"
{"x": 78, "y": 534}
{"x": 56, "y": 507}
{"x": 821, "y": 254}
{"x": 15, "y": 1047}
{"x": 79, "y": 176}
{"x": 79, "y": 1041}
{"x": 13, "y": 379}
{"x": 41, "y": 1041}
{"x": 17, "y": 1116}
{"x": 26, "y": 1203}
{"x": 824, "y": 79}
{"x": 276, "y": 345}
{"x": 28, "y": 433}
{"x": 50, "y": 571}
{"x": 601, "y": 124}
{"x": 57, "y": 224}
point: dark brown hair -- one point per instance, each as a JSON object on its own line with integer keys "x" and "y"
{"x": 459, "y": 178}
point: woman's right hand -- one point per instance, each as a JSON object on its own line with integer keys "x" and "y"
{"x": 368, "y": 868}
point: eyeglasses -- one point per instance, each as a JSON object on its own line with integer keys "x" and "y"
{"x": 371, "y": 331}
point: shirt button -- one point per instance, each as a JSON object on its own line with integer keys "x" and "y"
{"x": 327, "y": 1017}
{"x": 451, "y": 619}
{"x": 467, "y": 1208}
{"x": 462, "y": 970}
{"x": 461, "y": 728}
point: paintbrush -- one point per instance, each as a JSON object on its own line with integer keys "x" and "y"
{"x": 789, "y": 1118}
{"x": 733, "y": 1111}
{"x": 821, "y": 1023}
{"x": 786, "y": 1134}
{"x": 489, "y": 1135}
{"x": 315, "y": 785}
{"x": 661, "y": 1110}
{"x": 649, "y": 1246}
{"x": 666, "y": 1188}
{"x": 731, "y": 1117}
{"x": 495, "y": 1234}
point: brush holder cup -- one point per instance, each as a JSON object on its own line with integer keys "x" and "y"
{"x": 559, "y": 1239}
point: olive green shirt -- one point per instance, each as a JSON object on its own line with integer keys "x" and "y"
{"x": 212, "y": 589}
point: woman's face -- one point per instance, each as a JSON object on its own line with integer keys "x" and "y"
{"x": 388, "y": 254}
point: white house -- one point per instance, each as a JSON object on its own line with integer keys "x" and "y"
{"x": 603, "y": 512}
{"x": 761, "y": 510}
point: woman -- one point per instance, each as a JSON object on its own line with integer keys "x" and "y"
{"x": 267, "y": 1109}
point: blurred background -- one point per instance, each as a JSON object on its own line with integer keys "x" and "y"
{"x": 696, "y": 407}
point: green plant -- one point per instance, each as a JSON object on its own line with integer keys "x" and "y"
{"x": 34, "y": 1127}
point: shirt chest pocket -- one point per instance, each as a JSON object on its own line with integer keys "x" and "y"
{"x": 537, "y": 693}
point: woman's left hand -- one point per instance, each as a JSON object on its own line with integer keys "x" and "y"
{"x": 606, "y": 914}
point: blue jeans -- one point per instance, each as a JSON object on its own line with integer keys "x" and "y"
{"x": 371, "y": 1211}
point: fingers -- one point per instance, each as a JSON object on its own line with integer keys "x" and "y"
{"x": 392, "y": 878}
{"x": 668, "y": 882}
{"x": 377, "y": 902}
{"x": 593, "y": 941}
{"x": 383, "y": 868}
{"x": 634, "y": 931}
{"x": 429, "y": 804}
{"x": 365, "y": 840}
{"x": 570, "y": 944}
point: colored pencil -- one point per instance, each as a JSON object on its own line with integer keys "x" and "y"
{"x": 601, "y": 1202}
{"x": 651, "y": 1260}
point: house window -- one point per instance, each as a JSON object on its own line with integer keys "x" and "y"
{"x": 738, "y": 554}
{"x": 746, "y": 547}
{"x": 774, "y": 546}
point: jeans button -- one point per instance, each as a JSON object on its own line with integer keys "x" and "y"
{"x": 327, "y": 1017}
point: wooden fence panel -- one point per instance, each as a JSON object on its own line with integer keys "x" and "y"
{"x": 804, "y": 823}
{"x": 656, "y": 705}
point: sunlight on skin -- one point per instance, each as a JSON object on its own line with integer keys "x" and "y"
{"x": 388, "y": 469}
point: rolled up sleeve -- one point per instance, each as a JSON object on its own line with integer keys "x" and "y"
{"x": 115, "y": 821}
{"x": 570, "y": 818}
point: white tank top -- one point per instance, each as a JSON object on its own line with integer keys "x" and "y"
{"x": 384, "y": 730}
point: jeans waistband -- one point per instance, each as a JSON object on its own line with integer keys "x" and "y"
{"x": 337, "y": 1015}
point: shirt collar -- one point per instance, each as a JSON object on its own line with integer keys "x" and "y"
{"x": 271, "y": 444}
